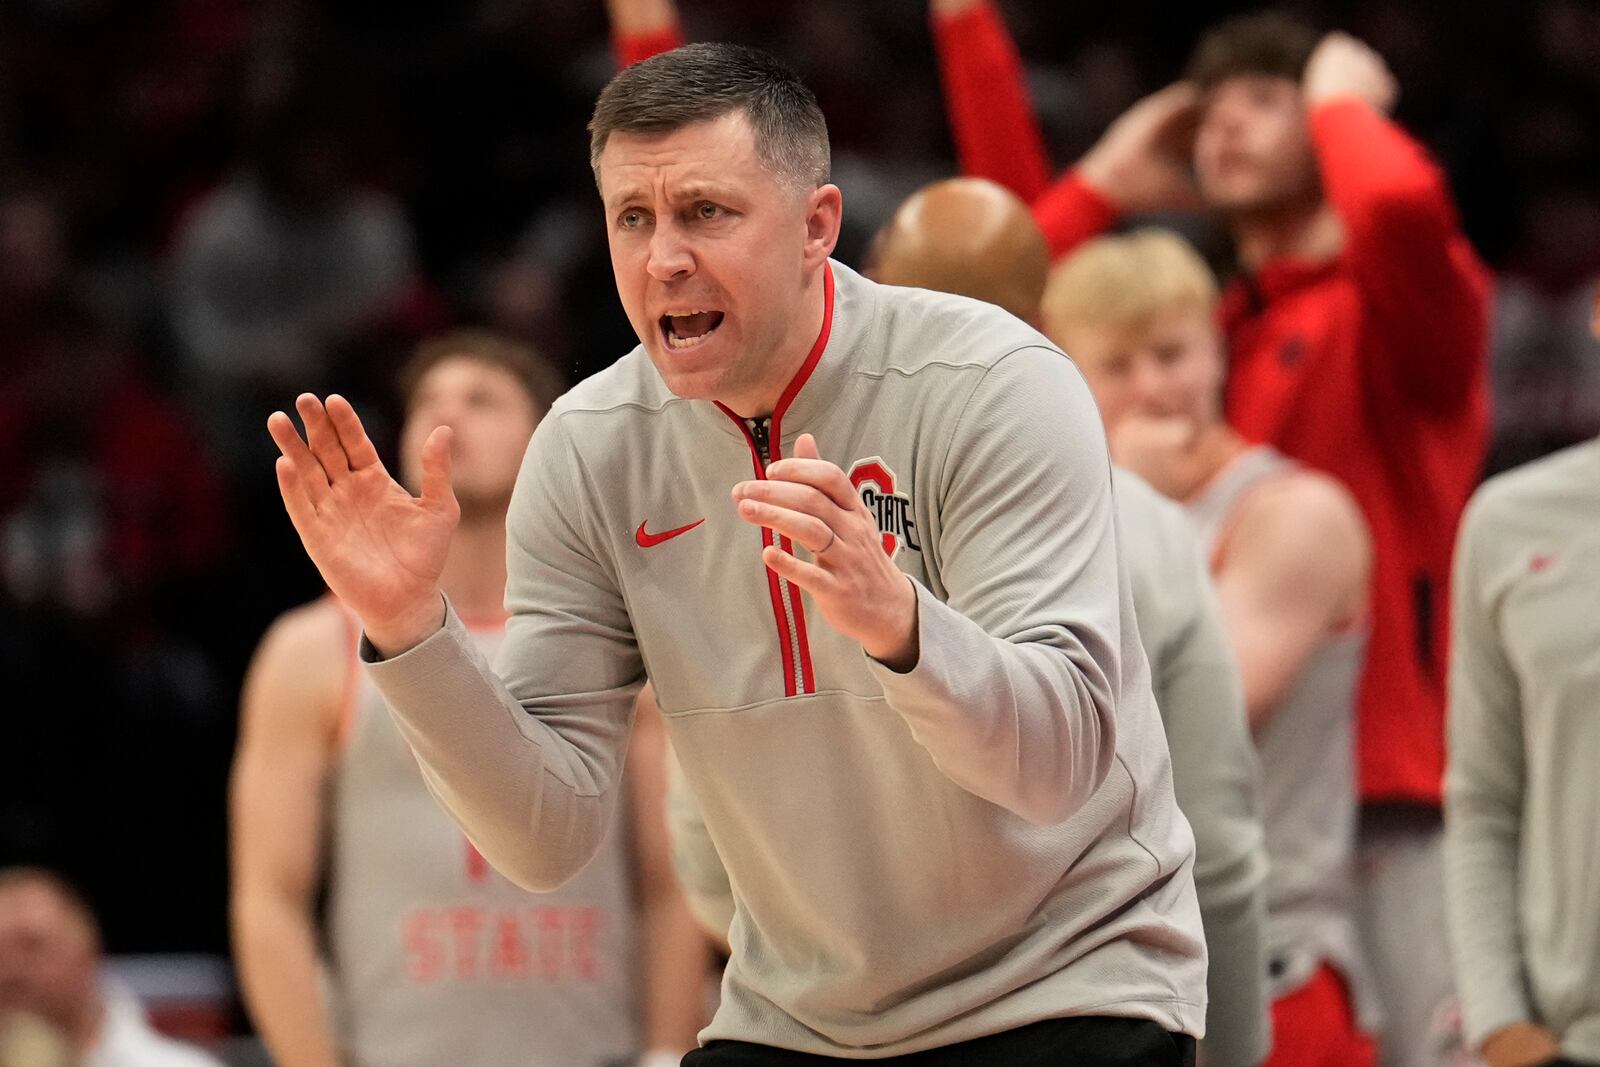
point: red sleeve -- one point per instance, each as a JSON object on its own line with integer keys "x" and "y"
{"x": 630, "y": 48}
{"x": 1422, "y": 282}
{"x": 1071, "y": 212}
{"x": 992, "y": 120}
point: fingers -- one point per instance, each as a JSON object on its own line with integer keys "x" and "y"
{"x": 358, "y": 447}
{"x": 796, "y": 496}
{"x": 808, "y": 576}
{"x": 321, "y": 436}
{"x": 313, "y": 480}
{"x": 436, "y": 489}
{"x": 805, "y": 447}
{"x": 295, "y": 501}
{"x": 805, "y": 530}
{"x": 819, "y": 474}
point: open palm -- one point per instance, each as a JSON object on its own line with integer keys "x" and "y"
{"x": 380, "y": 549}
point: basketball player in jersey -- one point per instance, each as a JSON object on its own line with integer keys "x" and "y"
{"x": 1290, "y": 554}
{"x": 431, "y": 957}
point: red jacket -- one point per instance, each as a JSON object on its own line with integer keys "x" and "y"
{"x": 1371, "y": 366}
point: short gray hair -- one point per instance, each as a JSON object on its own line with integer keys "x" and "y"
{"x": 699, "y": 82}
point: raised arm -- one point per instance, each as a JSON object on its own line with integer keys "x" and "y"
{"x": 1294, "y": 572}
{"x": 529, "y": 765}
{"x": 1403, "y": 240}
{"x": 642, "y": 28}
{"x": 992, "y": 121}
{"x": 290, "y": 714}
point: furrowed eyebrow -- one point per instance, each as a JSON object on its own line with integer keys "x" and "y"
{"x": 627, "y": 195}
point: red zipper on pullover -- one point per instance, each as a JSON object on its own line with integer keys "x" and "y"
{"x": 766, "y": 447}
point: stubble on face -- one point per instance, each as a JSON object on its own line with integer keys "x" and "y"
{"x": 708, "y": 248}
{"x": 1253, "y": 152}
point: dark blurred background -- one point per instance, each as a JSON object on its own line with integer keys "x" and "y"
{"x": 207, "y": 206}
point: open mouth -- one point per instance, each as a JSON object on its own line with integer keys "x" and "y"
{"x": 685, "y": 329}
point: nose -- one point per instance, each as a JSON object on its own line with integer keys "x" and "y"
{"x": 670, "y": 257}
{"x": 1148, "y": 384}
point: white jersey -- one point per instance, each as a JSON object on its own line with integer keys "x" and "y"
{"x": 437, "y": 959}
{"x": 1308, "y": 778}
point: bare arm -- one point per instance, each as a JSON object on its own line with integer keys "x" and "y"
{"x": 674, "y": 951}
{"x": 642, "y": 28}
{"x": 1295, "y": 571}
{"x": 641, "y": 16}
{"x": 290, "y": 708}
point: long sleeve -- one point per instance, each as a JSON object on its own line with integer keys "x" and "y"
{"x": 992, "y": 121}
{"x": 1016, "y": 689}
{"x": 1215, "y": 775}
{"x": 1420, "y": 277}
{"x": 1484, "y": 788}
{"x": 1071, "y": 212}
{"x": 527, "y": 757}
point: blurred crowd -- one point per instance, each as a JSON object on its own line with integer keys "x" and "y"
{"x": 207, "y": 206}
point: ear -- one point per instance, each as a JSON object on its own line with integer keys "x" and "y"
{"x": 824, "y": 215}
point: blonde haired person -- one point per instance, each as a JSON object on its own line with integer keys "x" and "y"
{"x": 1291, "y": 557}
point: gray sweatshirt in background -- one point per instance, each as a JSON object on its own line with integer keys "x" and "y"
{"x": 1522, "y": 793}
{"x": 918, "y": 859}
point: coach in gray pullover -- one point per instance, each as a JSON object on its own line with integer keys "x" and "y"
{"x": 1522, "y": 793}
{"x": 900, "y": 667}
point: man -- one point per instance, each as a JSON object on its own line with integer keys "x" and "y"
{"x": 50, "y": 971}
{"x": 432, "y": 956}
{"x": 1520, "y": 800}
{"x": 1290, "y": 555}
{"x": 1357, "y": 334}
{"x": 917, "y": 729}
{"x": 976, "y": 238}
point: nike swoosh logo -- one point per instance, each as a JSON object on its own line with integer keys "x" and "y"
{"x": 650, "y": 540}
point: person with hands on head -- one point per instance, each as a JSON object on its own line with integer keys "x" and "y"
{"x": 429, "y": 954}
{"x": 916, "y": 716}
{"x": 1357, "y": 333}
{"x": 1521, "y": 804}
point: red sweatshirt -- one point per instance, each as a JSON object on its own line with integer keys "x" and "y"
{"x": 1371, "y": 367}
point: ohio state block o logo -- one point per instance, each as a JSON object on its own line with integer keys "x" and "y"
{"x": 875, "y": 482}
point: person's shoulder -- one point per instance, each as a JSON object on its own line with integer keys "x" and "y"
{"x": 310, "y": 648}
{"x": 630, "y": 387}
{"x": 917, "y": 328}
{"x": 130, "y": 1041}
{"x": 1528, "y": 489}
{"x": 1303, "y": 520}
{"x": 1304, "y": 499}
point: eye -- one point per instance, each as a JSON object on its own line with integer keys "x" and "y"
{"x": 707, "y": 211}
{"x": 631, "y": 219}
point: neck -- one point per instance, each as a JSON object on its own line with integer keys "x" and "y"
{"x": 474, "y": 575}
{"x": 762, "y": 400}
{"x": 1217, "y": 446}
{"x": 1310, "y": 233}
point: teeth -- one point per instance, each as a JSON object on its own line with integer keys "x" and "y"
{"x": 674, "y": 341}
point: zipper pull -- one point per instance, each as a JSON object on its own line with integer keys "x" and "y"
{"x": 759, "y": 432}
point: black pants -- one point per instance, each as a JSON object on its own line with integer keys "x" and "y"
{"x": 1089, "y": 1041}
